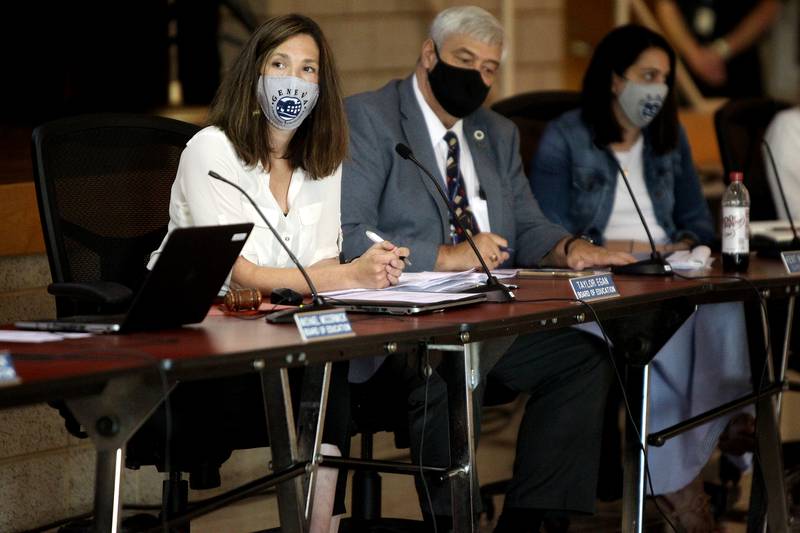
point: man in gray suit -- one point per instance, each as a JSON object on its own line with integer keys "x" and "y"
{"x": 437, "y": 113}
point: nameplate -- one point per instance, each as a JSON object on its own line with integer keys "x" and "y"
{"x": 596, "y": 287}
{"x": 791, "y": 260}
{"x": 8, "y": 375}
{"x": 325, "y": 324}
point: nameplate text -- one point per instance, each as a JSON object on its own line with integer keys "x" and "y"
{"x": 325, "y": 324}
{"x": 594, "y": 287}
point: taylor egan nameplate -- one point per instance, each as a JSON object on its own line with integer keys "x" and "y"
{"x": 596, "y": 287}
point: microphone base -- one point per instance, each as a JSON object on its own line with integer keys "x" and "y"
{"x": 286, "y": 316}
{"x": 655, "y": 266}
{"x": 495, "y": 294}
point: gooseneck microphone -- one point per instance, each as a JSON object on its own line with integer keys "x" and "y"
{"x": 495, "y": 291}
{"x": 286, "y": 315}
{"x": 795, "y": 241}
{"x": 656, "y": 265}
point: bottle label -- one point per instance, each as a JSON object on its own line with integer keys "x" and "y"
{"x": 735, "y": 230}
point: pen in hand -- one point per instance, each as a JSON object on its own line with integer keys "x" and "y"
{"x": 374, "y": 237}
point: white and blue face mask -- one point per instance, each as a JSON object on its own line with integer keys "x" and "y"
{"x": 286, "y": 100}
{"x": 641, "y": 102}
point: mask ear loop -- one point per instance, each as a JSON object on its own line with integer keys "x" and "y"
{"x": 438, "y": 57}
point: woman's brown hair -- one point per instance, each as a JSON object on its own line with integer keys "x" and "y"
{"x": 320, "y": 143}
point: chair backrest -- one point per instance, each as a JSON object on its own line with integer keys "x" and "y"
{"x": 740, "y": 126}
{"x": 103, "y": 186}
{"x": 531, "y": 112}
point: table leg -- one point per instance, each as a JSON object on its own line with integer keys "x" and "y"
{"x": 111, "y": 418}
{"x": 283, "y": 443}
{"x": 787, "y": 340}
{"x": 311, "y": 423}
{"x": 460, "y": 371}
{"x": 634, "y": 487}
{"x": 290, "y": 447}
{"x": 769, "y": 443}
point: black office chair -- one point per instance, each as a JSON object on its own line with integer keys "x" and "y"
{"x": 531, "y": 112}
{"x": 740, "y": 126}
{"x": 103, "y": 187}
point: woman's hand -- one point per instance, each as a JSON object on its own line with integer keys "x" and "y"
{"x": 380, "y": 266}
{"x": 683, "y": 244}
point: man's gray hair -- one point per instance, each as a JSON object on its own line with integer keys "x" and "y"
{"x": 472, "y": 21}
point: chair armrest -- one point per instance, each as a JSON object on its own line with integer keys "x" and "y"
{"x": 99, "y": 292}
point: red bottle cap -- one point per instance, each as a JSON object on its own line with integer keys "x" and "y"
{"x": 736, "y": 176}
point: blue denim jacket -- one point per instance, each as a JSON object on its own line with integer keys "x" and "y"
{"x": 575, "y": 181}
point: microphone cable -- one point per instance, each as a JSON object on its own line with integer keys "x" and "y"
{"x": 428, "y": 372}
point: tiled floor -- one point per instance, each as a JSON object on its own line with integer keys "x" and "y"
{"x": 495, "y": 457}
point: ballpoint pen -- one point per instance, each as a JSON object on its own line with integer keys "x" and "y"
{"x": 374, "y": 237}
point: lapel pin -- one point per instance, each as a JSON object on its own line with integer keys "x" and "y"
{"x": 479, "y": 135}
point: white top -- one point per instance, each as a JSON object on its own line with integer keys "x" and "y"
{"x": 311, "y": 229}
{"x": 436, "y": 129}
{"x": 783, "y": 136}
{"x": 624, "y": 223}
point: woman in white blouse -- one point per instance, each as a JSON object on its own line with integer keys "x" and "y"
{"x": 278, "y": 130}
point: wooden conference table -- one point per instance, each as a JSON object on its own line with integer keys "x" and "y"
{"x": 113, "y": 382}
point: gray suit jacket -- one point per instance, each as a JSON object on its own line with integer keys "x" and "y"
{"x": 384, "y": 193}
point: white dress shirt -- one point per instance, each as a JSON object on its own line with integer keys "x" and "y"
{"x": 624, "y": 223}
{"x": 783, "y": 136}
{"x": 436, "y": 130}
{"x": 311, "y": 228}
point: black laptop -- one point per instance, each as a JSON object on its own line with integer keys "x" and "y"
{"x": 179, "y": 290}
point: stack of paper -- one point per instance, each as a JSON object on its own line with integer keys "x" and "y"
{"x": 443, "y": 281}
{"x": 435, "y": 282}
{"x": 778, "y": 231}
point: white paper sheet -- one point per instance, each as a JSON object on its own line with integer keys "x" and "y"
{"x": 14, "y": 335}
{"x": 698, "y": 257}
{"x": 412, "y": 297}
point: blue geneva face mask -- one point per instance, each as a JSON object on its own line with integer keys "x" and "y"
{"x": 286, "y": 100}
{"x": 641, "y": 102}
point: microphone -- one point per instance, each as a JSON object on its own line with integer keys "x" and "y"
{"x": 495, "y": 291}
{"x": 287, "y": 315}
{"x": 795, "y": 241}
{"x": 656, "y": 265}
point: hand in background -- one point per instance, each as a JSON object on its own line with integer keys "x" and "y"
{"x": 708, "y": 65}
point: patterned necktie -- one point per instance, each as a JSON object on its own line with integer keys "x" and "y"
{"x": 457, "y": 192}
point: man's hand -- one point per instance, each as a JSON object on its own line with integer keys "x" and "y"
{"x": 586, "y": 255}
{"x": 461, "y": 257}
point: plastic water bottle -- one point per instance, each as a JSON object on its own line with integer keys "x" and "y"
{"x": 736, "y": 225}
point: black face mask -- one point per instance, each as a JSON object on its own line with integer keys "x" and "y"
{"x": 460, "y": 91}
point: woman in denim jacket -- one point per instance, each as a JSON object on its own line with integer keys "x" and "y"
{"x": 628, "y": 113}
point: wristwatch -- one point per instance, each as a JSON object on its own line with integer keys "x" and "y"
{"x": 575, "y": 238}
